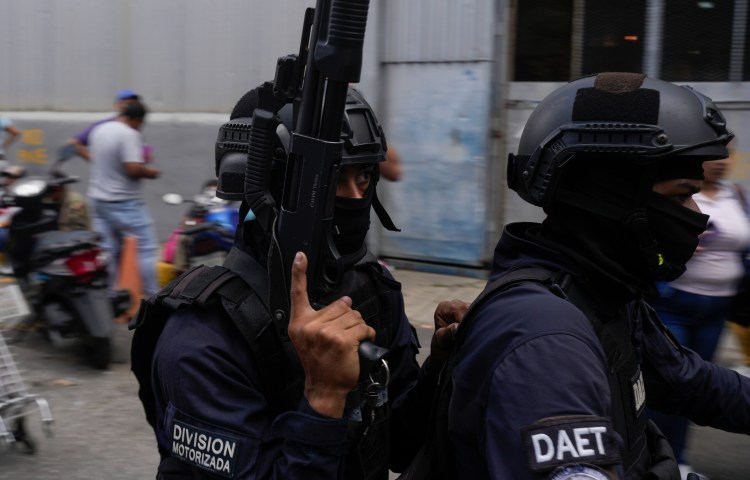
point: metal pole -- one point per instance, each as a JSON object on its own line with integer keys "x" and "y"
{"x": 654, "y": 33}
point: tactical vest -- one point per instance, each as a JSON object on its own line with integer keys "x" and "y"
{"x": 240, "y": 287}
{"x": 645, "y": 448}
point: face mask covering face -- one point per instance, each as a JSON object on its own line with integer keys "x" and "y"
{"x": 675, "y": 229}
{"x": 351, "y": 217}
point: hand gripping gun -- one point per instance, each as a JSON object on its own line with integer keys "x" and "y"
{"x": 316, "y": 82}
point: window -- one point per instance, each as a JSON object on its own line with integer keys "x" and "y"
{"x": 613, "y": 36}
{"x": 543, "y": 40}
{"x": 697, "y": 40}
{"x": 677, "y": 40}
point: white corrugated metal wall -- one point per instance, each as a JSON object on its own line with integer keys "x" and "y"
{"x": 438, "y": 66}
{"x": 196, "y": 55}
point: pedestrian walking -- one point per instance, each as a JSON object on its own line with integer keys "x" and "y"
{"x": 115, "y": 193}
{"x": 80, "y": 140}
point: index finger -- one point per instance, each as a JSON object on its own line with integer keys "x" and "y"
{"x": 298, "y": 289}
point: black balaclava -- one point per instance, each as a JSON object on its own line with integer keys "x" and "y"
{"x": 675, "y": 229}
{"x": 611, "y": 221}
{"x": 351, "y": 220}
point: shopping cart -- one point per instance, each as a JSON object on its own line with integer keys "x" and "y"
{"x": 15, "y": 314}
{"x": 16, "y": 402}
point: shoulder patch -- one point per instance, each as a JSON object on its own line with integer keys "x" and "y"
{"x": 560, "y": 441}
{"x": 204, "y": 446}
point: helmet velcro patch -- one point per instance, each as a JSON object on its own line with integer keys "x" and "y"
{"x": 637, "y": 106}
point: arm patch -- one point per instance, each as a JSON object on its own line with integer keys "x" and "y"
{"x": 202, "y": 445}
{"x": 557, "y": 441}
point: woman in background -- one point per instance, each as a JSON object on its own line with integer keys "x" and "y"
{"x": 695, "y": 306}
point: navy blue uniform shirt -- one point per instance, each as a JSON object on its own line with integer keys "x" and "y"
{"x": 532, "y": 383}
{"x": 212, "y": 414}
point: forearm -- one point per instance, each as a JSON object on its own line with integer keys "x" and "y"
{"x": 81, "y": 149}
{"x": 9, "y": 141}
{"x": 141, "y": 170}
{"x": 11, "y": 135}
{"x": 313, "y": 447}
{"x": 679, "y": 381}
{"x": 326, "y": 402}
{"x": 719, "y": 398}
{"x": 149, "y": 172}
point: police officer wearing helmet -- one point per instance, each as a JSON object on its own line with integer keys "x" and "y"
{"x": 222, "y": 396}
{"x": 557, "y": 363}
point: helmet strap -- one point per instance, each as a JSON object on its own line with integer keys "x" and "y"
{"x": 382, "y": 214}
{"x": 636, "y": 222}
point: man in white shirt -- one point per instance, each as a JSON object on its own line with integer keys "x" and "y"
{"x": 114, "y": 191}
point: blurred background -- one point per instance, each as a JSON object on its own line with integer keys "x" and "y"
{"x": 452, "y": 81}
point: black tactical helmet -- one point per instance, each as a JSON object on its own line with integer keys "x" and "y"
{"x": 622, "y": 116}
{"x": 364, "y": 141}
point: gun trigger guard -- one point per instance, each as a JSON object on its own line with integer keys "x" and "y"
{"x": 384, "y": 368}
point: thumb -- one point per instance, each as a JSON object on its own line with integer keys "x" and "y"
{"x": 298, "y": 290}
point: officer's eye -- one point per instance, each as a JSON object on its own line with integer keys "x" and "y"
{"x": 364, "y": 176}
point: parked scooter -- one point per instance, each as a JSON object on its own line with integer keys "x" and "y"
{"x": 205, "y": 236}
{"x": 62, "y": 274}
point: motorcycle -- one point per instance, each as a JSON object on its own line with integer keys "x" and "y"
{"x": 205, "y": 236}
{"x": 62, "y": 274}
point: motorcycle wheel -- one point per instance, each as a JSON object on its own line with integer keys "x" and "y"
{"x": 64, "y": 324}
{"x": 98, "y": 352}
{"x": 59, "y": 320}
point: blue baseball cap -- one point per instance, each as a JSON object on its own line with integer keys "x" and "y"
{"x": 126, "y": 94}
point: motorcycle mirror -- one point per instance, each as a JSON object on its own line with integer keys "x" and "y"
{"x": 28, "y": 187}
{"x": 70, "y": 179}
{"x": 59, "y": 178}
{"x": 172, "y": 198}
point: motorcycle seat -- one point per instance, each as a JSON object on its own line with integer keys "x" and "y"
{"x": 55, "y": 243}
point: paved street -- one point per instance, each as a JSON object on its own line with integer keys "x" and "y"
{"x": 100, "y": 431}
